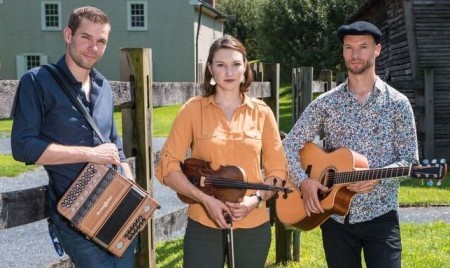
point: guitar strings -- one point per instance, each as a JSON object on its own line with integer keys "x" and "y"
{"x": 363, "y": 175}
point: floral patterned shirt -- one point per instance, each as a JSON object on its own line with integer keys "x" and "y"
{"x": 382, "y": 129}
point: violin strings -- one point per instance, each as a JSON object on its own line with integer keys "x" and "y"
{"x": 220, "y": 182}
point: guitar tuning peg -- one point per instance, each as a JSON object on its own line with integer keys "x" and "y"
{"x": 274, "y": 181}
{"x": 439, "y": 183}
{"x": 442, "y": 161}
{"x": 434, "y": 161}
{"x": 276, "y": 195}
{"x": 429, "y": 183}
{"x": 425, "y": 161}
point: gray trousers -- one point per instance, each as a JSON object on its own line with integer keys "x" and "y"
{"x": 206, "y": 247}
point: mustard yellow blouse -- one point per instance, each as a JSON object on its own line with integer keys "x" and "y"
{"x": 250, "y": 140}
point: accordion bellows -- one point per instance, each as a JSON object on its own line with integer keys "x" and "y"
{"x": 107, "y": 207}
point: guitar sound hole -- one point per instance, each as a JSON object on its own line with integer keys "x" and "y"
{"x": 328, "y": 181}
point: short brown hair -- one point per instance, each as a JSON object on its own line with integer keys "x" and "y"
{"x": 227, "y": 41}
{"x": 93, "y": 14}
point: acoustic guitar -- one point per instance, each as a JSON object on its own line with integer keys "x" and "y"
{"x": 336, "y": 170}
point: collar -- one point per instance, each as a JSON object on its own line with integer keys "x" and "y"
{"x": 247, "y": 101}
{"x": 94, "y": 74}
{"x": 378, "y": 87}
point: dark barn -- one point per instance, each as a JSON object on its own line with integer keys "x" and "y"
{"x": 415, "y": 59}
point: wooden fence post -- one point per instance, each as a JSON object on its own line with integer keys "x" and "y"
{"x": 340, "y": 77}
{"x": 306, "y": 88}
{"x": 135, "y": 64}
{"x": 326, "y": 75}
{"x": 288, "y": 239}
{"x": 271, "y": 72}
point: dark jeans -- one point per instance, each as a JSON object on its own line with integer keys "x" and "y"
{"x": 84, "y": 253}
{"x": 206, "y": 247}
{"x": 379, "y": 239}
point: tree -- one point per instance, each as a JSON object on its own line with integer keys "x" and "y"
{"x": 293, "y": 33}
{"x": 243, "y": 23}
{"x": 303, "y": 32}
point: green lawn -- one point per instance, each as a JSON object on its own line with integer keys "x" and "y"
{"x": 424, "y": 246}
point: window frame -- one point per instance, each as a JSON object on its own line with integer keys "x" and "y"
{"x": 22, "y": 62}
{"x": 145, "y": 16}
{"x": 44, "y": 27}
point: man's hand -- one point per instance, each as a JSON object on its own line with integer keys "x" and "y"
{"x": 363, "y": 186}
{"x": 105, "y": 153}
{"x": 309, "y": 189}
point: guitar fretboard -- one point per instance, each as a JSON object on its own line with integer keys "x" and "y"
{"x": 371, "y": 174}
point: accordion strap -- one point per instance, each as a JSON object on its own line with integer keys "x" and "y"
{"x": 58, "y": 76}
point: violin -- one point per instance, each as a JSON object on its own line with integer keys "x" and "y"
{"x": 227, "y": 183}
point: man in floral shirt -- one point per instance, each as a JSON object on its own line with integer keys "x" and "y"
{"x": 373, "y": 119}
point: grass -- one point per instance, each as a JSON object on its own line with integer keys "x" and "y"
{"x": 424, "y": 246}
{"x": 12, "y": 168}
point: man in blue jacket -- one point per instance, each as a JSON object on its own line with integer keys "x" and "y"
{"x": 48, "y": 130}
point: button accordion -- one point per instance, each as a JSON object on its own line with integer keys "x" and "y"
{"x": 106, "y": 207}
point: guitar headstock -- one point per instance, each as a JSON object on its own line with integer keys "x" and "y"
{"x": 430, "y": 170}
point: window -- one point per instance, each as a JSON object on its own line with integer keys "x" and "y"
{"x": 51, "y": 16}
{"x": 137, "y": 16}
{"x": 27, "y": 61}
{"x": 32, "y": 61}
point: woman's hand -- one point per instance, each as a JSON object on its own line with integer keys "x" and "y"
{"x": 240, "y": 210}
{"x": 216, "y": 210}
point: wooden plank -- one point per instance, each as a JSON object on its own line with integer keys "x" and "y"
{"x": 429, "y": 114}
{"x": 411, "y": 38}
{"x": 22, "y": 207}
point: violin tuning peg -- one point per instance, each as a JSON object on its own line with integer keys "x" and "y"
{"x": 276, "y": 195}
{"x": 274, "y": 181}
{"x": 285, "y": 196}
{"x": 283, "y": 183}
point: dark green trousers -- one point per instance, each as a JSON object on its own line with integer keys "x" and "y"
{"x": 206, "y": 247}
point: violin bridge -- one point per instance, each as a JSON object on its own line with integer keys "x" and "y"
{"x": 202, "y": 181}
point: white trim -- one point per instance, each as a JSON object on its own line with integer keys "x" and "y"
{"x": 131, "y": 28}
{"x": 43, "y": 18}
{"x": 21, "y": 62}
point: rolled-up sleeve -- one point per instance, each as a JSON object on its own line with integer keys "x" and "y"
{"x": 273, "y": 156}
{"x": 174, "y": 150}
{"x": 28, "y": 117}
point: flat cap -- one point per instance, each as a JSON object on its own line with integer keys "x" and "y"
{"x": 360, "y": 28}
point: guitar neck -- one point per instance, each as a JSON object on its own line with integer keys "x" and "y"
{"x": 371, "y": 174}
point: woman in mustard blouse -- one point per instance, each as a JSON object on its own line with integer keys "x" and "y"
{"x": 225, "y": 127}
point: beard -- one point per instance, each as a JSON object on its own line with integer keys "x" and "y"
{"x": 360, "y": 68}
{"x": 80, "y": 61}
